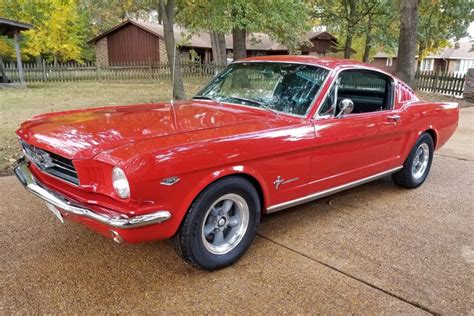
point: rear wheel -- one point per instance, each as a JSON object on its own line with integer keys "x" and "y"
{"x": 220, "y": 225}
{"x": 417, "y": 166}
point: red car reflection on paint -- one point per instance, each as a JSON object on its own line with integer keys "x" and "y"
{"x": 266, "y": 134}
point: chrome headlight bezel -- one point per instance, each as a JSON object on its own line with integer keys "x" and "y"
{"x": 120, "y": 183}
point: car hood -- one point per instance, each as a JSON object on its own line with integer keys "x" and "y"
{"x": 81, "y": 134}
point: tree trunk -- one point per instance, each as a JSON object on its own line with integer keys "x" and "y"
{"x": 347, "y": 46}
{"x": 368, "y": 40}
{"x": 350, "y": 28}
{"x": 240, "y": 46}
{"x": 219, "y": 53}
{"x": 406, "y": 63}
{"x": 167, "y": 8}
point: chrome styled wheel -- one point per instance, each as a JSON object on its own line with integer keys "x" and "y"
{"x": 225, "y": 224}
{"x": 417, "y": 165}
{"x": 420, "y": 161}
{"x": 220, "y": 224}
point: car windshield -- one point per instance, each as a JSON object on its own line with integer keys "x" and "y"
{"x": 279, "y": 87}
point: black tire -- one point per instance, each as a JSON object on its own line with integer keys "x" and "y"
{"x": 189, "y": 241}
{"x": 405, "y": 177}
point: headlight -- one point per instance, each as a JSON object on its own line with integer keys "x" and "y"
{"x": 120, "y": 183}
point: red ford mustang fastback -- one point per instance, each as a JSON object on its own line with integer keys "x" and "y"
{"x": 266, "y": 134}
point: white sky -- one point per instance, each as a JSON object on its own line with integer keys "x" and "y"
{"x": 471, "y": 33}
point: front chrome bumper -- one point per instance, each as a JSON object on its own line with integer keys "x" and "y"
{"x": 25, "y": 176}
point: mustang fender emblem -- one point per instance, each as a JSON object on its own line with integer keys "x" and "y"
{"x": 280, "y": 181}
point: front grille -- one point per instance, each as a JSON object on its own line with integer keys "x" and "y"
{"x": 51, "y": 163}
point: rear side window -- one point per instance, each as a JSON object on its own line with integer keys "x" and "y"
{"x": 368, "y": 90}
{"x": 405, "y": 94}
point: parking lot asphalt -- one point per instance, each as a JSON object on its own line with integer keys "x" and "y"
{"x": 373, "y": 249}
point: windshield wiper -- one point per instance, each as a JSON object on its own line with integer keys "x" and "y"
{"x": 262, "y": 104}
{"x": 205, "y": 97}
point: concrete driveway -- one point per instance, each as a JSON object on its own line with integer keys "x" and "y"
{"x": 374, "y": 249}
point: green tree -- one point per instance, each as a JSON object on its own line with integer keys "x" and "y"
{"x": 284, "y": 20}
{"x": 105, "y": 14}
{"x": 379, "y": 29}
{"x": 441, "y": 21}
{"x": 346, "y": 17}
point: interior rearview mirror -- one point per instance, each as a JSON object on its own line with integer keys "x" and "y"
{"x": 346, "y": 106}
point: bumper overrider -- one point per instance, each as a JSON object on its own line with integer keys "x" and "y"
{"x": 67, "y": 206}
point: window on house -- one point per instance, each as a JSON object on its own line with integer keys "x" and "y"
{"x": 463, "y": 65}
{"x": 427, "y": 64}
{"x": 389, "y": 62}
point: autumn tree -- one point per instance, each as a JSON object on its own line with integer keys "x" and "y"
{"x": 59, "y": 31}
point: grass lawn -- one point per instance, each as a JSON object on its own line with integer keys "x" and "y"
{"x": 18, "y": 105}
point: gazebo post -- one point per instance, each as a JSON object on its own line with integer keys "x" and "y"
{"x": 2, "y": 71}
{"x": 18, "y": 57}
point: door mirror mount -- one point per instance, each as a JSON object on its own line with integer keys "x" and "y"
{"x": 346, "y": 106}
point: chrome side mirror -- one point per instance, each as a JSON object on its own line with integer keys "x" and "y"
{"x": 346, "y": 106}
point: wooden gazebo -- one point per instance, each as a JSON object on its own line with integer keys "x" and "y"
{"x": 12, "y": 29}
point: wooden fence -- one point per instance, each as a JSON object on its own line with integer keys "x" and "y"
{"x": 428, "y": 81}
{"x": 447, "y": 83}
{"x": 438, "y": 82}
{"x": 67, "y": 72}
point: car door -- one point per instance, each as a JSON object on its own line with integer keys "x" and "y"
{"x": 352, "y": 146}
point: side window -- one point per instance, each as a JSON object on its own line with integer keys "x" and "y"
{"x": 369, "y": 91}
{"x": 328, "y": 106}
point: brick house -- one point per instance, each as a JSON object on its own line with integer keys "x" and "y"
{"x": 142, "y": 43}
{"x": 458, "y": 59}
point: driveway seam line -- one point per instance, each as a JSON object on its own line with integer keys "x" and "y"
{"x": 414, "y": 304}
{"x": 453, "y": 157}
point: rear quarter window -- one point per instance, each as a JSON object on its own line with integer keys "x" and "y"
{"x": 405, "y": 94}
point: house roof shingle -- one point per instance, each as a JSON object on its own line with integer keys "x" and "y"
{"x": 8, "y": 27}
{"x": 256, "y": 41}
{"x": 460, "y": 51}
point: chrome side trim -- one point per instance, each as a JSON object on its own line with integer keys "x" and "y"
{"x": 25, "y": 176}
{"x": 321, "y": 194}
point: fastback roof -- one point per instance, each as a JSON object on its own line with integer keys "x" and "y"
{"x": 328, "y": 62}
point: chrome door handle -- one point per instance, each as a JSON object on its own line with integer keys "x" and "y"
{"x": 394, "y": 118}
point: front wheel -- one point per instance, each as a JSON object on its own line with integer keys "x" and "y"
{"x": 417, "y": 165}
{"x": 220, "y": 224}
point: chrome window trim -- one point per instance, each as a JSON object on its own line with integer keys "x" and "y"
{"x": 324, "y": 193}
{"x": 337, "y": 71}
{"x": 312, "y": 103}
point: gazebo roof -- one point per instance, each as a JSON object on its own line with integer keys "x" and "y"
{"x": 8, "y": 27}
